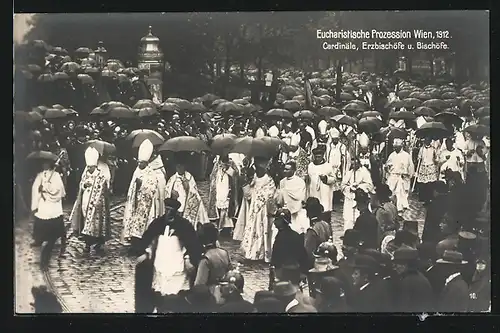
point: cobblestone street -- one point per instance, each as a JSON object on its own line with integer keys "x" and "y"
{"x": 105, "y": 284}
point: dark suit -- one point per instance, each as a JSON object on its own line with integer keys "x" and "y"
{"x": 367, "y": 225}
{"x": 236, "y": 305}
{"x": 480, "y": 293}
{"x": 454, "y": 297}
{"x": 415, "y": 293}
{"x": 371, "y": 298}
{"x": 344, "y": 274}
{"x": 436, "y": 279}
{"x": 288, "y": 249}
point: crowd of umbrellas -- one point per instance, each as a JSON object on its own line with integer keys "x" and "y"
{"x": 433, "y": 105}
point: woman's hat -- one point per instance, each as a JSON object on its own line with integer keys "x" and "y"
{"x": 451, "y": 257}
{"x": 284, "y": 289}
{"x": 322, "y": 265}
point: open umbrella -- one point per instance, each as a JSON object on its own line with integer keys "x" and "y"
{"x": 83, "y": 50}
{"x": 411, "y": 102}
{"x": 70, "y": 66}
{"x": 70, "y": 112}
{"x": 54, "y": 113}
{"x": 482, "y": 112}
{"x": 228, "y": 107}
{"x": 345, "y": 96}
{"x": 218, "y": 101}
{"x": 448, "y": 117}
{"x": 108, "y": 73}
{"x": 394, "y": 133}
{"x": 288, "y": 91}
{"x": 42, "y": 155}
{"x": 61, "y": 76}
{"x": 169, "y": 107}
{"x": 367, "y": 114}
{"x": 405, "y": 115}
{"x": 396, "y": 104}
{"x": 98, "y": 111}
{"x": 46, "y": 78}
{"x": 250, "y": 108}
{"x": 183, "y": 104}
{"x": 292, "y": 105}
{"x": 223, "y": 143}
{"x": 102, "y": 147}
{"x": 354, "y": 108}
{"x": 369, "y": 125}
{"x": 144, "y": 103}
{"x": 241, "y": 101}
{"x": 435, "y": 104}
{"x": 185, "y": 143}
{"x": 433, "y": 130}
{"x": 304, "y": 114}
{"x": 139, "y": 135}
{"x": 478, "y": 129}
{"x": 276, "y": 144}
{"x": 253, "y": 147}
{"x": 57, "y": 106}
{"x": 280, "y": 113}
{"x": 344, "y": 119}
{"x": 40, "y": 109}
{"x": 329, "y": 111}
{"x": 209, "y": 97}
{"x": 424, "y": 111}
{"x": 85, "y": 78}
{"x": 121, "y": 112}
{"x": 90, "y": 70}
{"x": 147, "y": 112}
{"x": 449, "y": 95}
{"x": 404, "y": 93}
{"x": 198, "y": 107}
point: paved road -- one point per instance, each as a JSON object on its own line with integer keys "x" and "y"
{"x": 105, "y": 284}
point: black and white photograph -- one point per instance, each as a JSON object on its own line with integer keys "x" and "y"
{"x": 252, "y": 162}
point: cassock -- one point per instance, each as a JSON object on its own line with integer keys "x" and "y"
{"x": 291, "y": 193}
{"x": 360, "y": 178}
{"x": 319, "y": 189}
{"x": 400, "y": 169}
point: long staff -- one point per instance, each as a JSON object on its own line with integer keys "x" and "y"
{"x": 418, "y": 170}
{"x": 59, "y": 157}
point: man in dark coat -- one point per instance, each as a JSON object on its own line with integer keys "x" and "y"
{"x": 480, "y": 288}
{"x": 286, "y": 292}
{"x": 384, "y": 280}
{"x": 231, "y": 290}
{"x": 183, "y": 229}
{"x": 414, "y": 290}
{"x": 319, "y": 232}
{"x": 455, "y": 295}
{"x": 351, "y": 242}
{"x": 366, "y": 223}
{"x": 436, "y": 214}
{"x": 215, "y": 262}
{"x": 368, "y": 296}
{"x": 288, "y": 247}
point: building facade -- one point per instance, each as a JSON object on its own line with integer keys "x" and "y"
{"x": 150, "y": 59}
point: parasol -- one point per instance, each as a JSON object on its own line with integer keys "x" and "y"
{"x": 42, "y": 155}
{"x": 102, "y": 147}
{"x": 185, "y": 143}
{"x": 253, "y": 147}
{"x": 281, "y": 113}
{"x": 139, "y": 135}
{"x": 329, "y": 111}
{"x": 433, "y": 130}
{"x": 223, "y": 143}
{"x": 304, "y": 114}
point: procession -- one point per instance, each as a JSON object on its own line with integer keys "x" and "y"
{"x": 312, "y": 174}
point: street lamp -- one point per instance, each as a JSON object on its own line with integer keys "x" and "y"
{"x": 100, "y": 55}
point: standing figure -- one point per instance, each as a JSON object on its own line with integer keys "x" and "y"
{"x": 320, "y": 179}
{"x": 90, "y": 214}
{"x": 427, "y": 172}
{"x": 400, "y": 169}
{"x": 254, "y": 225}
{"x": 140, "y": 207}
{"x": 338, "y": 157}
{"x": 192, "y": 207}
{"x": 452, "y": 159}
{"x": 291, "y": 195}
{"x": 223, "y": 192}
{"x": 357, "y": 177}
{"x": 46, "y": 206}
{"x": 476, "y": 178}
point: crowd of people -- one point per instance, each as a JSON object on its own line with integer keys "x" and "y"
{"x": 275, "y": 177}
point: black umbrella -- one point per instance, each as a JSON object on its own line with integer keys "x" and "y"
{"x": 369, "y": 125}
{"x": 185, "y": 143}
{"x": 478, "y": 129}
{"x": 424, "y": 111}
{"x": 280, "y": 113}
{"x": 433, "y": 130}
{"x": 329, "y": 111}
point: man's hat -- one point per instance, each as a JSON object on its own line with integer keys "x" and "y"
{"x": 405, "y": 237}
{"x": 451, "y": 257}
{"x": 364, "y": 261}
{"x": 405, "y": 254}
{"x": 351, "y": 237}
{"x": 374, "y": 254}
{"x": 284, "y": 289}
{"x": 322, "y": 265}
{"x": 446, "y": 245}
{"x": 361, "y": 196}
{"x": 262, "y": 294}
{"x": 172, "y": 203}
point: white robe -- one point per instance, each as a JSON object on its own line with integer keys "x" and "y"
{"x": 158, "y": 206}
{"x": 362, "y": 179}
{"x": 292, "y": 193}
{"x": 399, "y": 164}
{"x": 318, "y": 189}
{"x": 50, "y": 205}
{"x": 453, "y": 160}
